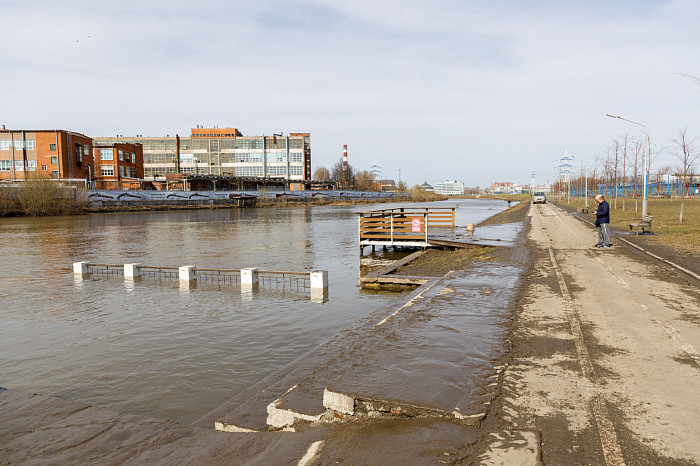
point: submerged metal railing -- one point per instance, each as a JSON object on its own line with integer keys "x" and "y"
{"x": 315, "y": 281}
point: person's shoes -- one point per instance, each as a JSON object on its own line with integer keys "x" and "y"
{"x": 597, "y": 245}
{"x": 605, "y": 247}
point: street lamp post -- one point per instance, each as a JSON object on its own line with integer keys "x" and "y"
{"x": 645, "y": 171}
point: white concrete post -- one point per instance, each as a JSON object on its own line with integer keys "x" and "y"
{"x": 249, "y": 276}
{"x": 319, "y": 279}
{"x": 186, "y": 273}
{"x": 132, "y": 270}
{"x": 80, "y": 268}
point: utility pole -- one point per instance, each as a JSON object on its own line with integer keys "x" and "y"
{"x": 565, "y": 169}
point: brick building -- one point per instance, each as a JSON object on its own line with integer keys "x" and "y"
{"x": 118, "y": 165}
{"x": 47, "y": 153}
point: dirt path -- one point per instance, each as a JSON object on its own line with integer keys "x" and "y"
{"x": 605, "y": 352}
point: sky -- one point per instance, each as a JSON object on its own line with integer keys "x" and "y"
{"x": 474, "y": 91}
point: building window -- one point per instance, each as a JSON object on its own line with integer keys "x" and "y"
{"x": 106, "y": 154}
{"x": 19, "y": 144}
{"x": 121, "y": 171}
{"x": 43, "y": 168}
{"x": 31, "y": 165}
{"x": 54, "y": 160}
{"x": 107, "y": 170}
{"x": 78, "y": 153}
{"x": 19, "y": 165}
{"x": 121, "y": 155}
{"x": 4, "y": 144}
{"x": 30, "y": 144}
{"x": 5, "y": 165}
{"x": 86, "y": 150}
{"x": 54, "y": 174}
{"x": 52, "y": 147}
{"x": 127, "y": 156}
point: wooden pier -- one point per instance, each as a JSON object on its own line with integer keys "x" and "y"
{"x": 405, "y": 226}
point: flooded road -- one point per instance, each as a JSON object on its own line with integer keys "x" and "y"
{"x": 150, "y": 347}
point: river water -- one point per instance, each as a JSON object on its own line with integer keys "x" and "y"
{"x": 152, "y": 347}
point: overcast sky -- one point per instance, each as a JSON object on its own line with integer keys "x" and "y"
{"x": 474, "y": 91}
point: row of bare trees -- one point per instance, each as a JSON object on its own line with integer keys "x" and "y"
{"x": 346, "y": 177}
{"x": 620, "y": 171}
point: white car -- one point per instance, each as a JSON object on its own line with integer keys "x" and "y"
{"x": 539, "y": 198}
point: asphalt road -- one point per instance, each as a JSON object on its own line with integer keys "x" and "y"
{"x": 604, "y": 363}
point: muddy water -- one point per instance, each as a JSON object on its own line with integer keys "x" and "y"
{"x": 152, "y": 347}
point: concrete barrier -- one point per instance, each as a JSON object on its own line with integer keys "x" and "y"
{"x": 132, "y": 270}
{"x": 186, "y": 273}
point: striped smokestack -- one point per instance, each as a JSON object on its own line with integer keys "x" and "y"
{"x": 345, "y": 155}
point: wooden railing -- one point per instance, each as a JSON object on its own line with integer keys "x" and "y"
{"x": 404, "y": 224}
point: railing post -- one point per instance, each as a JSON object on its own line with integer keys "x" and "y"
{"x": 132, "y": 270}
{"x": 249, "y": 276}
{"x": 391, "y": 217}
{"x": 80, "y": 268}
{"x": 186, "y": 273}
{"x": 426, "y": 228}
{"x": 319, "y": 279}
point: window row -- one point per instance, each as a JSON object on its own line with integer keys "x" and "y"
{"x": 29, "y": 144}
{"x": 6, "y": 165}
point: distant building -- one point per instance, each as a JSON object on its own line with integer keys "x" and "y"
{"x": 426, "y": 187}
{"x": 224, "y": 152}
{"x": 386, "y": 185}
{"x": 47, "y": 153}
{"x": 497, "y": 187}
{"x": 118, "y": 166}
{"x": 450, "y": 188}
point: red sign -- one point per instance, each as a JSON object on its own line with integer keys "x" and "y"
{"x": 415, "y": 225}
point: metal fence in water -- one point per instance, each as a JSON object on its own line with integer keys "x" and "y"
{"x": 302, "y": 282}
{"x": 105, "y": 269}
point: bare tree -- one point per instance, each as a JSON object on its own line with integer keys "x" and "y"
{"x": 365, "y": 181}
{"x": 322, "y": 174}
{"x": 687, "y": 154}
{"x": 343, "y": 175}
{"x": 636, "y": 157}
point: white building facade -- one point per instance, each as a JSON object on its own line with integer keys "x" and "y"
{"x": 449, "y": 188}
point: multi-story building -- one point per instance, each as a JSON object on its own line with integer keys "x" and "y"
{"x": 449, "y": 188}
{"x": 46, "y": 153}
{"x": 118, "y": 166}
{"x": 224, "y": 152}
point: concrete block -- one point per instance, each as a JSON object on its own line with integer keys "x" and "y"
{"x": 249, "y": 276}
{"x": 132, "y": 270}
{"x": 186, "y": 273}
{"x": 319, "y": 295}
{"x": 224, "y": 427}
{"x": 338, "y": 401}
{"x": 319, "y": 279}
{"x": 80, "y": 268}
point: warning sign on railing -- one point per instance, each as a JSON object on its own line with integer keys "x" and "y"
{"x": 415, "y": 225}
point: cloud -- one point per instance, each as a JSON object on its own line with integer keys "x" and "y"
{"x": 486, "y": 91}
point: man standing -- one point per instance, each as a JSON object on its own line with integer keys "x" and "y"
{"x": 602, "y": 222}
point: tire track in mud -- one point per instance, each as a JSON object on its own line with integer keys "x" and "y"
{"x": 606, "y": 430}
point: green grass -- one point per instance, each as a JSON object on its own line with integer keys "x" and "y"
{"x": 683, "y": 238}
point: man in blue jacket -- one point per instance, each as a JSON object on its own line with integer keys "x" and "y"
{"x": 602, "y": 222}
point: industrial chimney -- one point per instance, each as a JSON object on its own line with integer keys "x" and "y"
{"x": 345, "y": 155}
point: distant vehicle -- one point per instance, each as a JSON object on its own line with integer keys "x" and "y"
{"x": 539, "y": 197}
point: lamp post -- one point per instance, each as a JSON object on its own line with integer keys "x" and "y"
{"x": 645, "y": 171}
